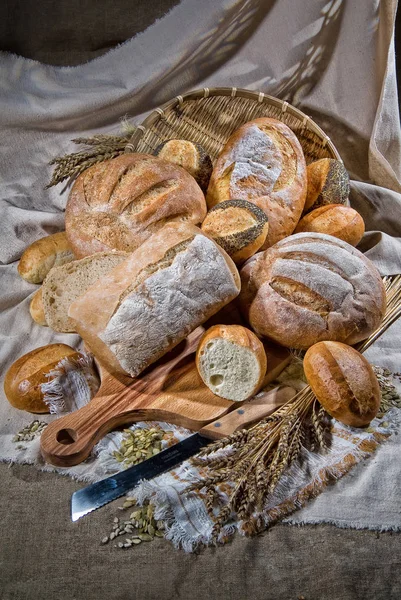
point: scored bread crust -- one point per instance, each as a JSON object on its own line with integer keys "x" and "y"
{"x": 263, "y": 162}
{"x": 343, "y": 381}
{"x": 328, "y": 183}
{"x": 312, "y": 287}
{"x": 106, "y": 302}
{"x": 119, "y": 203}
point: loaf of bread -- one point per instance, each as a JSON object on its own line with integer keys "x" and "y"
{"x": 190, "y": 156}
{"x": 312, "y": 287}
{"x": 231, "y": 361}
{"x": 119, "y": 203}
{"x": 168, "y": 286}
{"x": 344, "y": 382}
{"x": 238, "y": 226}
{"x": 44, "y": 254}
{"x": 23, "y": 380}
{"x": 36, "y": 308}
{"x": 263, "y": 162}
{"x": 328, "y": 183}
{"x": 338, "y": 220}
{"x": 64, "y": 284}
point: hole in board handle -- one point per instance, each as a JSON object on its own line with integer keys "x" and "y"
{"x": 66, "y": 436}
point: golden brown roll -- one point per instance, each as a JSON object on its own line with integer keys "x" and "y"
{"x": 340, "y": 221}
{"x": 328, "y": 183}
{"x": 238, "y": 226}
{"x": 312, "y": 287}
{"x": 119, "y": 203}
{"x": 190, "y": 156}
{"x": 263, "y": 162}
{"x": 344, "y": 382}
{"x": 36, "y": 308}
{"x": 44, "y": 254}
{"x": 23, "y": 380}
{"x": 231, "y": 361}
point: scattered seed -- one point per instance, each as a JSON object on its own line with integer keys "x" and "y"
{"x": 145, "y": 537}
{"x": 105, "y": 540}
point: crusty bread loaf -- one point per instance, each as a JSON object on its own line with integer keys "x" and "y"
{"x": 24, "y": 378}
{"x": 231, "y": 361}
{"x": 168, "y": 286}
{"x": 36, "y": 308}
{"x": 344, "y": 382}
{"x": 119, "y": 203}
{"x": 190, "y": 156}
{"x": 328, "y": 183}
{"x": 238, "y": 226}
{"x": 64, "y": 284}
{"x": 44, "y": 254}
{"x": 312, "y": 287}
{"x": 263, "y": 162}
{"x": 340, "y": 221}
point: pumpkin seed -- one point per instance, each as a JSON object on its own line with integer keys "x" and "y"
{"x": 145, "y": 537}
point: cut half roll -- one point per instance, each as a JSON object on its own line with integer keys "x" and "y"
{"x": 231, "y": 361}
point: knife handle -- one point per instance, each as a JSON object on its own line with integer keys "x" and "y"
{"x": 260, "y": 407}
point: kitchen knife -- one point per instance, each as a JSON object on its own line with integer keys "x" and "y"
{"x": 98, "y": 494}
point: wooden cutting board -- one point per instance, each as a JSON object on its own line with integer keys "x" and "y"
{"x": 171, "y": 390}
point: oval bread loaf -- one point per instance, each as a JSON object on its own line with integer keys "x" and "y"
{"x": 119, "y": 203}
{"x": 44, "y": 254}
{"x": 23, "y": 380}
{"x": 312, "y": 287}
{"x": 231, "y": 361}
{"x": 238, "y": 226}
{"x": 263, "y": 162}
{"x": 344, "y": 382}
{"x": 168, "y": 286}
{"x": 328, "y": 183}
{"x": 36, "y": 308}
{"x": 190, "y": 156}
{"x": 340, "y": 221}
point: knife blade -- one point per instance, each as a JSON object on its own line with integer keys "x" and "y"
{"x": 102, "y": 492}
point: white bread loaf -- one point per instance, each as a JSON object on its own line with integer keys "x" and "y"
{"x": 168, "y": 286}
{"x": 312, "y": 287}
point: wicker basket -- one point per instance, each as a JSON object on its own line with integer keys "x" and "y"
{"x": 209, "y": 117}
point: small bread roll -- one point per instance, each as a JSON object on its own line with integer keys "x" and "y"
{"x": 36, "y": 308}
{"x": 328, "y": 183}
{"x": 44, "y": 254}
{"x": 340, "y": 221}
{"x": 23, "y": 380}
{"x": 190, "y": 156}
{"x": 238, "y": 226}
{"x": 231, "y": 361}
{"x": 344, "y": 382}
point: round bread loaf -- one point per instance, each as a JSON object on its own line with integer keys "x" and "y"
{"x": 231, "y": 361}
{"x": 238, "y": 226}
{"x": 312, "y": 287}
{"x": 119, "y": 203}
{"x": 190, "y": 156}
{"x": 36, "y": 308}
{"x": 263, "y": 162}
{"x": 328, "y": 183}
{"x": 344, "y": 382}
{"x": 44, "y": 254}
{"x": 23, "y": 380}
{"x": 340, "y": 221}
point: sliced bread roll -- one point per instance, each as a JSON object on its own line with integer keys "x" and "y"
{"x": 65, "y": 284}
{"x": 231, "y": 361}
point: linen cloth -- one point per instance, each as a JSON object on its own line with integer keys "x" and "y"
{"x": 334, "y": 60}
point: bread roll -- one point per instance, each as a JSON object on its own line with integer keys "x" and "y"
{"x": 340, "y": 221}
{"x": 23, "y": 380}
{"x": 238, "y": 226}
{"x": 36, "y": 308}
{"x": 190, "y": 156}
{"x": 328, "y": 183}
{"x": 231, "y": 361}
{"x": 312, "y": 287}
{"x": 344, "y": 382}
{"x": 64, "y": 284}
{"x": 119, "y": 203}
{"x": 168, "y": 286}
{"x": 263, "y": 162}
{"x": 44, "y": 254}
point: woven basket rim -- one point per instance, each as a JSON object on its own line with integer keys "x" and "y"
{"x": 159, "y": 112}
